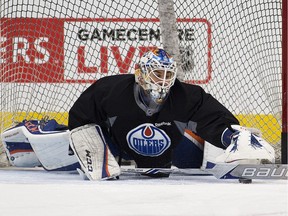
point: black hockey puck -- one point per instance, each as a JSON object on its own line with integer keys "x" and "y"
{"x": 245, "y": 181}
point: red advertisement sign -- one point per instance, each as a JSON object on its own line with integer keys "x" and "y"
{"x": 32, "y": 50}
{"x": 55, "y": 50}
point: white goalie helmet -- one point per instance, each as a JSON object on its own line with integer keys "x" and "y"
{"x": 156, "y": 73}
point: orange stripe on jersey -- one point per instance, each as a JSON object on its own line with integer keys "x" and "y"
{"x": 193, "y": 135}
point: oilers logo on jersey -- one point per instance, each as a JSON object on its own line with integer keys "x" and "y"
{"x": 148, "y": 140}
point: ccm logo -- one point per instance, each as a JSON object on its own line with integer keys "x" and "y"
{"x": 89, "y": 161}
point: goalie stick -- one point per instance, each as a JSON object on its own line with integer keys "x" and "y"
{"x": 222, "y": 171}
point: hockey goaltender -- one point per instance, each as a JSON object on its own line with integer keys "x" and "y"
{"x": 148, "y": 117}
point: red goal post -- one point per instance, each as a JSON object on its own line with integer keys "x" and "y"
{"x": 284, "y": 139}
{"x": 235, "y": 50}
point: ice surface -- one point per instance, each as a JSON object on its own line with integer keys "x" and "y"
{"x": 35, "y": 192}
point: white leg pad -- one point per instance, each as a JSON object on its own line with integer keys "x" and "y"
{"x": 211, "y": 152}
{"x": 18, "y": 148}
{"x": 93, "y": 153}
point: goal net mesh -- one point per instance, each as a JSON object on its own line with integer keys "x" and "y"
{"x": 51, "y": 51}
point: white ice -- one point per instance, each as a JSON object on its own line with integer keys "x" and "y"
{"x": 35, "y": 192}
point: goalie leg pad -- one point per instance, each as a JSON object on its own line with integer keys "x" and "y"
{"x": 27, "y": 145}
{"x": 93, "y": 153}
{"x": 52, "y": 148}
{"x": 18, "y": 148}
{"x": 211, "y": 152}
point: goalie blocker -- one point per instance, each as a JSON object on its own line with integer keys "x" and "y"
{"x": 244, "y": 146}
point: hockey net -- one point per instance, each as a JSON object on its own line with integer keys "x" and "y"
{"x": 51, "y": 52}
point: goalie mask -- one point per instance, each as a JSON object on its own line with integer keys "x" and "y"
{"x": 156, "y": 74}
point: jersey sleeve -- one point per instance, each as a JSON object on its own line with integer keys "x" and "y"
{"x": 87, "y": 108}
{"x": 212, "y": 119}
